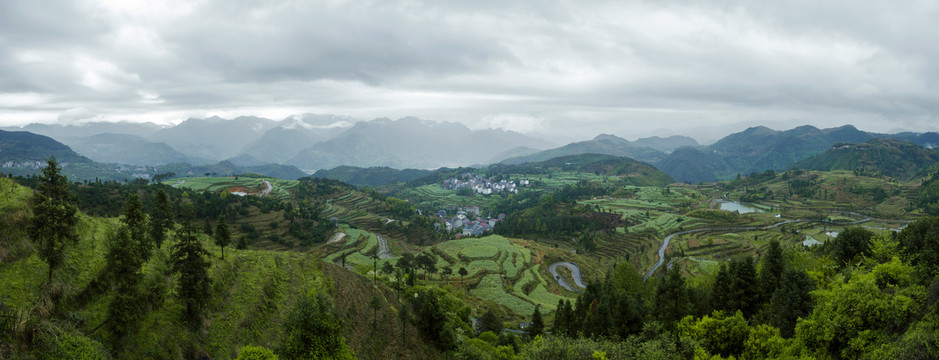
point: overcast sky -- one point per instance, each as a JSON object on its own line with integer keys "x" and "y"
{"x": 565, "y": 69}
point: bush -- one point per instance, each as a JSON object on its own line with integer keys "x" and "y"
{"x": 250, "y": 352}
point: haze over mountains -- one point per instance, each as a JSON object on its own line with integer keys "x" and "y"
{"x": 321, "y": 142}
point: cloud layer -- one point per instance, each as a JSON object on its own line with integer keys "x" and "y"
{"x": 560, "y": 68}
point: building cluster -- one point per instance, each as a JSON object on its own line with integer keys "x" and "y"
{"x": 482, "y": 185}
{"x": 473, "y": 225}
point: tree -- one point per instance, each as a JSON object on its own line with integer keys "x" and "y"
{"x": 222, "y": 235}
{"x": 671, "y": 297}
{"x": 490, "y": 322}
{"x": 190, "y": 263}
{"x": 463, "y": 273}
{"x": 314, "y": 331}
{"x": 772, "y": 270}
{"x": 128, "y": 250}
{"x": 537, "y": 323}
{"x": 852, "y": 242}
{"x": 122, "y": 314}
{"x": 136, "y": 224}
{"x": 242, "y": 243}
{"x": 161, "y": 218}
{"x": 792, "y": 300}
{"x": 54, "y": 219}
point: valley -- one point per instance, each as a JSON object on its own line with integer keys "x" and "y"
{"x": 503, "y": 241}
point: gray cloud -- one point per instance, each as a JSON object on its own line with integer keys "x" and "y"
{"x": 561, "y": 68}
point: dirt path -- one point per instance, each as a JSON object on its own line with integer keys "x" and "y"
{"x": 337, "y": 237}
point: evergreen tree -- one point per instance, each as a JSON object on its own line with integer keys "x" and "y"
{"x": 537, "y": 323}
{"x": 792, "y": 300}
{"x": 772, "y": 270}
{"x": 314, "y": 331}
{"x": 671, "y": 297}
{"x": 242, "y": 243}
{"x": 161, "y": 218}
{"x": 136, "y": 224}
{"x": 222, "y": 235}
{"x": 190, "y": 263}
{"x": 53, "y": 224}
{"x": 745, "y": 292}
{"x": 124, "y": 268}
{"x": 852, "y": 242}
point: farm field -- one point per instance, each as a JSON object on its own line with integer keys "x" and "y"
{"x": 250, "y": 185}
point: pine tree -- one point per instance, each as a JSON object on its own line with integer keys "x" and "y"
{"x": 136, "y": 225}
{"x": 671, "y": 297}
{"x": 772, "y": 270}
{"x": 54, "y": 216}
{"x": 490, "y": 322}
{"x": 222, "y": 235}
{"x": 123, "y": 267}
{"x": 161, "y": 218}
{"x": 537, "y": 323}
{"x": 190, "y": 263}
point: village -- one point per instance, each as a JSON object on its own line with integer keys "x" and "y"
{"x": 482, "y": 185}
{"x": 468, "y": 221}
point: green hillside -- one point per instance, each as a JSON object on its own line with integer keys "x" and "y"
{"x": 877, "y": 157}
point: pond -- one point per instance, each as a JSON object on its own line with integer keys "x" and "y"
{"x": 739, "y": 207}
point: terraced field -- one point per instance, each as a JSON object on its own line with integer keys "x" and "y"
{"x": 251, "y": 185}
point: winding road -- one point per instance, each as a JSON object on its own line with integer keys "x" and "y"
{"x": 383, "y": 251}
{"x": 268, "y": 189}
{"x": 575, "y": 273}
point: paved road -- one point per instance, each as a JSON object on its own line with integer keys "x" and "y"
{"x": 575, "y": 273}
{"x": 740, "y": 228}
{"x": 383, "y": 251}
{"x": 268, "y": 189}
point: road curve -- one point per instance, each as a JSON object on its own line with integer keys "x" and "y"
{"x": 739, "y": 228}
{"x": 268, "y": 189}
{"x": 575, "y": 273}
{"x": 383, "y": 251}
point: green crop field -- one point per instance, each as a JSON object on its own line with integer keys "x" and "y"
{"x": 281, "y": 187}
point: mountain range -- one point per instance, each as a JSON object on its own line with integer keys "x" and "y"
{"x": 319, "y": 142}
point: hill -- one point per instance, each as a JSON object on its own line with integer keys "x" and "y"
{"x": 601, "y": 144}
{"x": 28, "y": 149}
{"x": 128, "y": 149}
{"x": 372, "y": 176}
{"x": 632, "y": 171}
{"x": 757, "y": 149}
{"x": 251, "y": 299}
{"x": 877, "y": 157}
{"x": 410, "y": 143}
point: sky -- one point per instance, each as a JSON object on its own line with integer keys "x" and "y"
{"x": 563, "y": 70}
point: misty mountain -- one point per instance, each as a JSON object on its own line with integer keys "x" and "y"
{"x": 128, "y": 149}
{"x": 877, "y": 157}
{"x": 410, "y": 143}
{"x": 756, "y": 149}
{"x": 666, "y": 144}
{"x": 608, "y": 145}
{"x": 60, "y": 132}
{"x": 928, "y": 140}
{"x": 214, "y": 138}
{"x": 25, "y": 149}
{"x": 293, "y": 135}
{"x": 694, "y": 165}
